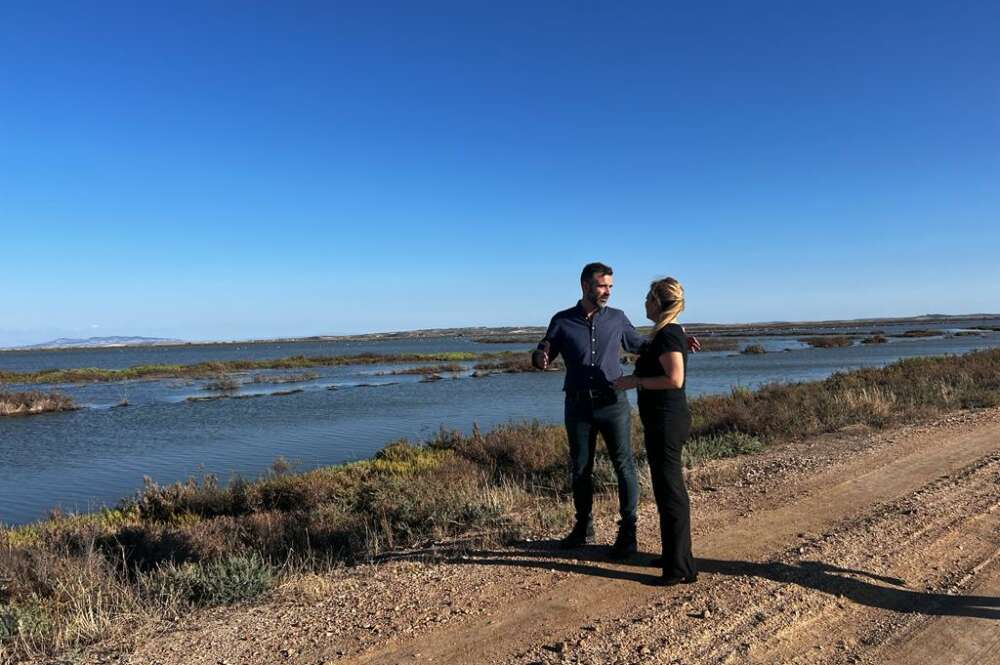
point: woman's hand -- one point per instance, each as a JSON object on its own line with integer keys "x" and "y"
{"x": 626, "y": 382}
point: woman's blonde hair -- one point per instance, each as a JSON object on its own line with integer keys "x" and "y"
{"x": 669, "y": 295}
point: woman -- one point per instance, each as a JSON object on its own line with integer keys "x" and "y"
{"x": 659, "y": 376}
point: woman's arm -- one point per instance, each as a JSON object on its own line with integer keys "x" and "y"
{"x": 672, "y": 363}
{"x": 673, "y": 368}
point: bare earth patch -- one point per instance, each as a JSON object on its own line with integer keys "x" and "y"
{"x": 845, "y": 548}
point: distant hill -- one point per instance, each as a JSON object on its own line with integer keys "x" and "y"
{"x": 97, "y": 342}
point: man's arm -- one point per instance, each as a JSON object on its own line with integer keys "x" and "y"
{"x": 632, "y": 341}
{"x": 548, "y": 348}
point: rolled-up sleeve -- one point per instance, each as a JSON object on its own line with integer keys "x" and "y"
{"x": 552, "y": 338}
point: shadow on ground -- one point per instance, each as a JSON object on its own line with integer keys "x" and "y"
{"x": 857, "y": 586}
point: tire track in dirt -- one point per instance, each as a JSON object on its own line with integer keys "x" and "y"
{"x": 823, "y": 602}
{"x": 908, "y": 465}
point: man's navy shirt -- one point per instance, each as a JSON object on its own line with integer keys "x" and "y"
{"x": 590, "y": 347}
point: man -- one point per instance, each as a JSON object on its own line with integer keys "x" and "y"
{"x": 589, "y": 336}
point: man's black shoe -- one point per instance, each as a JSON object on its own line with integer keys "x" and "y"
{"x": 582, "y": 533}
{"x": 625, "y": 544}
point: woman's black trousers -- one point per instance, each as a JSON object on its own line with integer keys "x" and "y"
{"x": 666, "y": 430}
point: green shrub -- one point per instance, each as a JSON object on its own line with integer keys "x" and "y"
{"x": 222, "y": 582}
{"x": 29, "y": 622}
{"x": 716, "y": 446}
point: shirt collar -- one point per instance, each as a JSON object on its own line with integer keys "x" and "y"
{"x": 583, "y": 313}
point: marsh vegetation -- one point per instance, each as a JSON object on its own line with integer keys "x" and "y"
{"x": 212, "y": 369}
{"x": 753, "y": 349}
{"x": 920, "y": 333}
{"x": 828, "y": 341}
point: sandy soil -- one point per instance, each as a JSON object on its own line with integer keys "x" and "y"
{"x": 848, "y": 548}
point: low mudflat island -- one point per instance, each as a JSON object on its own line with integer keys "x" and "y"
{"x": 215, "y": 368}
{"x": 32, "y": 402}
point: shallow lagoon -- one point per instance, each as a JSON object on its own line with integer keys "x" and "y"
{"x": 85, "y": 459}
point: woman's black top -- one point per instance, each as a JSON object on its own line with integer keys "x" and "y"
{"x": 669, "y": 338}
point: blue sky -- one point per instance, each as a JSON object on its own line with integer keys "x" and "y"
{"x": 233, "y": 170}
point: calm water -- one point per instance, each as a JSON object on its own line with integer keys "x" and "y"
{"x": 92, "y": 457}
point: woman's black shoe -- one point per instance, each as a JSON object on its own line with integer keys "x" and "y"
{"x": 673, "y": 581}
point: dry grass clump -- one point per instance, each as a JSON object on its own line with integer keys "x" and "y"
{"x": 828, "y": 341}
{"x": 874, "y": 339}
{"x": 15, "y": 404}
{"x": 754, "y": 349}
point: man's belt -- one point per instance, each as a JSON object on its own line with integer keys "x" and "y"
{"x": 594, "y": 394}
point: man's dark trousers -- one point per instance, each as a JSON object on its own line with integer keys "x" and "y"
{"x": 610, "y": 414}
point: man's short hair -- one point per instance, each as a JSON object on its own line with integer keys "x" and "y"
{"x": 592, "y": 270}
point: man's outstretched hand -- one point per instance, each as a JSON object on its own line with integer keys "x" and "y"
{"x": 693, "y": 344}
{"x": 540, "y": 357}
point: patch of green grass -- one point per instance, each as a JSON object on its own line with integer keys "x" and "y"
{"x": 223, "y": 582}
{"x": 721, "y": 445}
{"x": 28, "y": 622}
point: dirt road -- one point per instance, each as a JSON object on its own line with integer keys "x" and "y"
{"x": 848, "y": 548}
